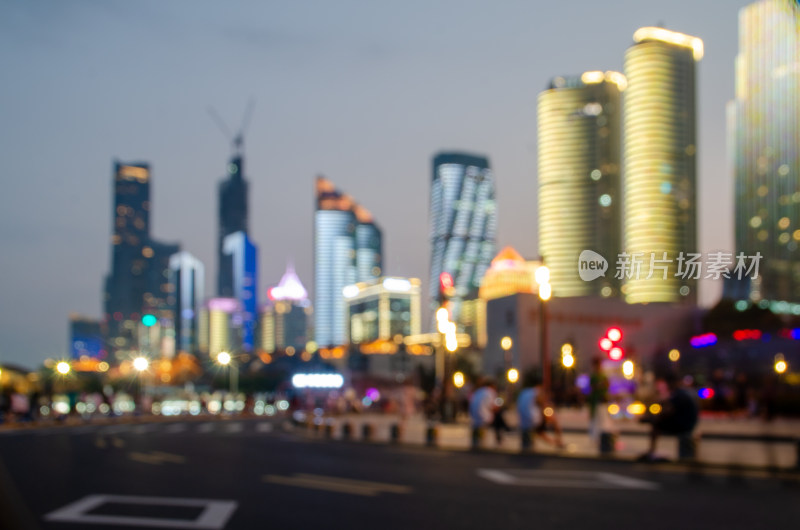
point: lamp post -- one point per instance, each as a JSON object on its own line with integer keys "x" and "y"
{"x": 545, "y": 291}
{"x": 225, "y": 359}
{"x": 506, "y": 343}
{"x": 141, "y": 364}
{"x": 448, "y": 344}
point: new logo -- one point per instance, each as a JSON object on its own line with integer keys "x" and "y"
{"x": 591, "y": 265}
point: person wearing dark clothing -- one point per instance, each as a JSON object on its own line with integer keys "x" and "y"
{"x": 678, "y": 416}
{"x": 499, "y": 425}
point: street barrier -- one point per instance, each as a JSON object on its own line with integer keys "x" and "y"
{"x": 395, "y": 433}
{"x": 431, "y": 435}
{"x": 347, "y": 431}
{"x": 366, "y": 432}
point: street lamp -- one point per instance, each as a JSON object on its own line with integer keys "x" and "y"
{"x": 542, "y": 276}
{"x": 458, "y": 379}
{"x": 506, "y": 343}
{"x": 63, "y": 368}
{"x": 628, "y": 369}
{"x": 512, "y": 375}
{"x": 140, "y": 364}
{"x": 225, "y": 359}
{"x": 780, "y": 364}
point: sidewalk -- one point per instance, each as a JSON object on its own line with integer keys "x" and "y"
{"x": 723, "y": 441}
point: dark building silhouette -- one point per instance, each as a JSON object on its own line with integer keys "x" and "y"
{"x": 138, "y": 281}
{"x": 232, "y": 218}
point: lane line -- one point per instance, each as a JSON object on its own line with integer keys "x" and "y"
{"x": 380, "y": 486}
{"x": 321, "y": 485}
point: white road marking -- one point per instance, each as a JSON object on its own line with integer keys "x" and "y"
{"x": 337, "y": 484}
{"x": 176, "y": 428}
{"x": 214, "y": 516}
{"x": 233, "y": 427}
{"x": 263, "y": 427}
{"x": 205, "y": 427}
{"x": 564, "y": 479}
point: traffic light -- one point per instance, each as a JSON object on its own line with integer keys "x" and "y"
{"x": 610, "y": 344}
{"x": 446, "y": 286}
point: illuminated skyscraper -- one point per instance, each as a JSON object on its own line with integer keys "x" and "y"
{"x": 347, "y": 249}
{"x": 463, "y": 217}
{"x": 579, "y": 178}
{"x": 138, "y": 281}
{"x": 660, "y": 211}
{"x": 764, "y": 122}
{"x": 220, "y": 326}
{"x": 232, "y": 218}
{"x": 242, "y": 254}
{"x": 187, "y": 280}
{"x": 284, "y": 321}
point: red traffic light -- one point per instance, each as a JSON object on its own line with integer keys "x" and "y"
{"x": 615, "y": 334}
{"x": 615, "y": 353}
{"x": 606, "y": 344}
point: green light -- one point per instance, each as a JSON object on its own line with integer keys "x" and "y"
{"x": 149, "y": 320}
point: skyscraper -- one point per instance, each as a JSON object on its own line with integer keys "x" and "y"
{"x": 463, "y": 217}
{"x": 284, "y": 321}
{"x": 127, "y": 281}
{"x": 660, "y": 211}
{"x": 764, "y": 122}
{"x": 187, "y": 280}
{"x": 138, "y": 281}
{"x": 242, "y": 254}
{"x": 232, "y": 218}
{"x": 348, "y": 248}
{"x": 579, "y": 177}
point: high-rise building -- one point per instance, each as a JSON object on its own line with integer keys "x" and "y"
{"x": 232, "y": 219}
{"x": 284, "y": 321}
{"x": 221, "y": 327}
{"x": 660, "y": 210}
{"x": 242, "y": 254}
{"x": 348, "y": 248}
{"x": 127, "y": 281}
{"x": 138, "y": 282}
{"x": 463, "y": 217}
{"x": 187, "y": 280}
{"x": 764, "y": 131}
{"x": 579, "y": 177}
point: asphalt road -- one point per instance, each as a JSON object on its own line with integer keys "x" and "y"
{"x": 256, "y": 474}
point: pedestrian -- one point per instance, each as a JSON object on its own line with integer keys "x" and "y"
{"x": 499, "y": 424}
{"x": 598, "y": 397}
{"x": 481, "y": 409}
{"x": 678, "y": 415}
{"x": 536, "y": 415}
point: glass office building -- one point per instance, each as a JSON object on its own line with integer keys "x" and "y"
{"x": 187, "y": 280}
{"x": 660, "y": 154}
{"x": 463, "y": 224}
{"x": 348, "y": 249}
{"x": 232, "y": 219}
{"x": 764, "y": 132}
{"x": 243, "y": 257}
{"x": 580, "y": 202}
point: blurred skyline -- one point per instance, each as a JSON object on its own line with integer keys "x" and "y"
{"x": 363, "y": 93}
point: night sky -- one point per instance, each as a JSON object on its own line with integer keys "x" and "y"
{"x": 362, "y": 92}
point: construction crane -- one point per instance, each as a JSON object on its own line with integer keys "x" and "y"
{"x": 237, "y": 140}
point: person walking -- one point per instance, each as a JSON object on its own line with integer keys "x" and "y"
{"x": 481, "y": 409}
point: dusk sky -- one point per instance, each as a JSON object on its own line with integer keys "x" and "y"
{"x": 362, "y": 92}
